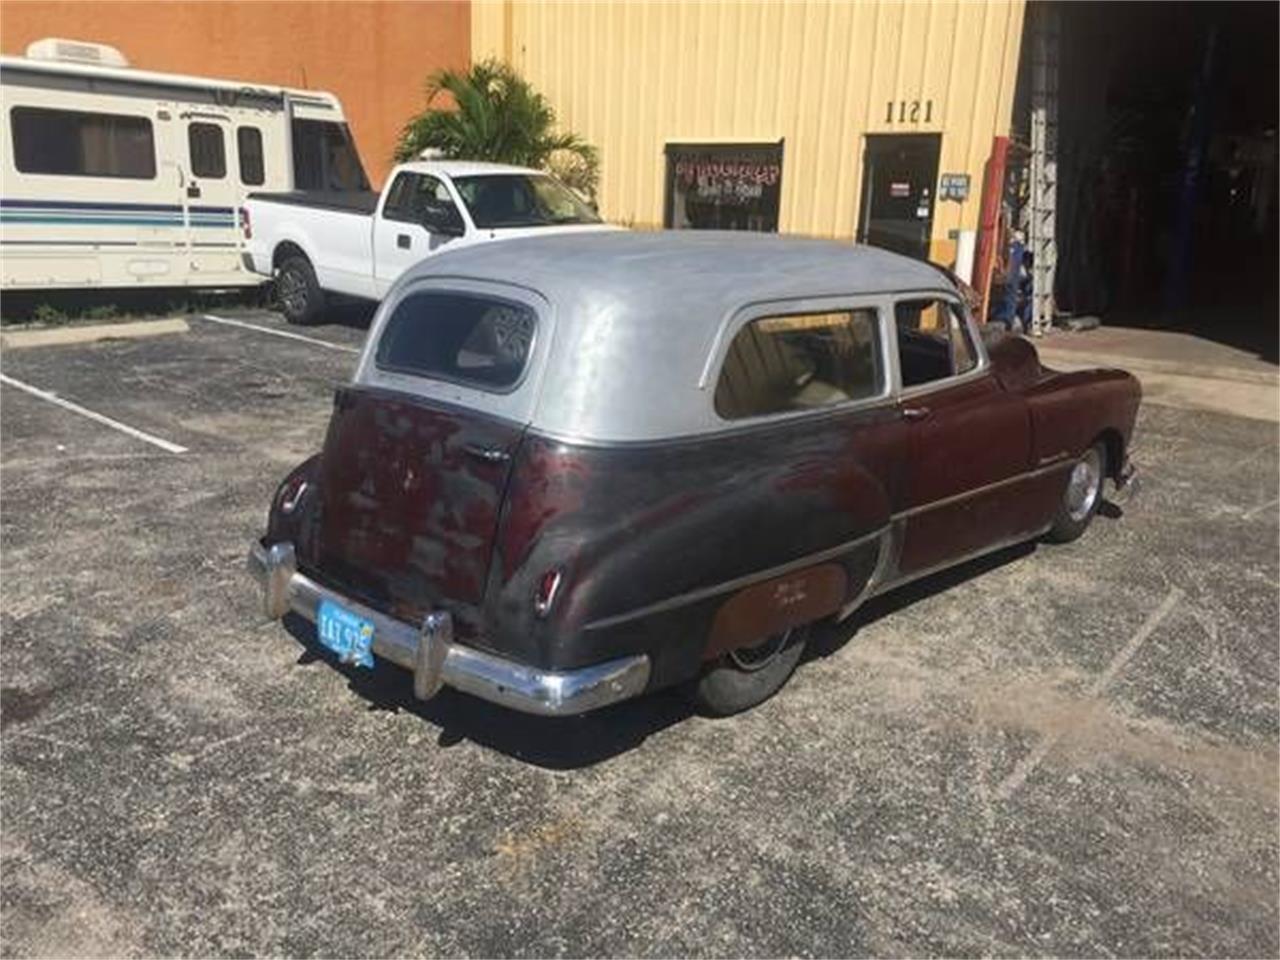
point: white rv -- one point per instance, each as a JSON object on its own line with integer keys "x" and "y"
{"x": 115, "y": 177}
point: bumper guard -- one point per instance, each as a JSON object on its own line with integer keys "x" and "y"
{"x": 436, "y": 659}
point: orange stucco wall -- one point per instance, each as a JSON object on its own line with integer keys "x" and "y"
{"x": 375, "y": 56}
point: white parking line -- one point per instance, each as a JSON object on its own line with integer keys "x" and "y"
{"x": 106, "y": 421}
{"x": 1032, "y": 760}
{"x": 280, "y": 333}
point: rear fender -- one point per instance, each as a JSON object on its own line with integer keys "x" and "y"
{"x": 654, "y": 543}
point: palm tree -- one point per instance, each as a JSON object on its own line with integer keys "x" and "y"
{"x": 498, "y": 116}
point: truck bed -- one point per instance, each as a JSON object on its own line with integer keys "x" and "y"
{"x": 359, "y": 202}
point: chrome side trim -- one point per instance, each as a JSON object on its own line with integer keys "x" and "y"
{"x": 979, "y": 491}
{"x": 437, "y": 660}
{"x": 746, "y": 580}
{"x": 1004, "y": 544}
{"x": 886, "y": 558}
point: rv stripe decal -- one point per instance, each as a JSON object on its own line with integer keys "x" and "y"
{"x": 94, "y": 205}
{"x": 114, "y": 214}
{"x": 178, "y": 245}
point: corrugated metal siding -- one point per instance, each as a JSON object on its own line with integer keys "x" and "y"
{"x": 632, "y": 77}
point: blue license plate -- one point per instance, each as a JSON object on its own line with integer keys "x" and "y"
{"x": 347, "y": 634}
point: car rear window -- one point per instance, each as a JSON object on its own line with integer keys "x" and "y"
{"x": 800, "y": 361}
{"x": 462, "y": 338}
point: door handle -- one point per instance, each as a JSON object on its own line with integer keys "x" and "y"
{"x": 487, "y": 454}
{"x": 915, "y": 413}
{"x": 403, "y": 241}
{"x": 193, "y": 190}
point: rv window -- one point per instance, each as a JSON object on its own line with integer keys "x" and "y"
{"x": 208, "y": 152}
{"x": 324, "y": 158}
{"x": 249, "y": 146}
{"x": 70, "y": 143}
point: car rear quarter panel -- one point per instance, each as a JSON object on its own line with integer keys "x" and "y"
{"x": 656, "y": 539}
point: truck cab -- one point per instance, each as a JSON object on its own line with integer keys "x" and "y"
{"x": 358, "y": 243}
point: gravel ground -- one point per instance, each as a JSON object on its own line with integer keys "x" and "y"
{"x": 1052, "y": 751}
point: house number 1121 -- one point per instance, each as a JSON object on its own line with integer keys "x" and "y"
{"x": 909, "y": 111}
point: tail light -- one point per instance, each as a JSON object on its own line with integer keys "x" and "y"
{"x": 245, "y": 226}
{"x": 548, "y": 589}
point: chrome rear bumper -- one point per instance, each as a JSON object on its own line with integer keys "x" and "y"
{"x": 437, "y": 660}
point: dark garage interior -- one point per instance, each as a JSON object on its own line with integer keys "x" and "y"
{"x": 1167, "y": 149}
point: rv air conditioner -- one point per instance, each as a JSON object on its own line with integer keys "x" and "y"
{"x": 76, "y": 51}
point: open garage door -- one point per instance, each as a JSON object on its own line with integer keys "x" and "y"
{"x": 1166, "y": 165}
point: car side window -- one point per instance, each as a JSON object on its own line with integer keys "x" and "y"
{"x": 413, "y": 195}
{"x": 800, "y": 361}
{"x": 462, "y": 338}
{"x": 933, "y": 341}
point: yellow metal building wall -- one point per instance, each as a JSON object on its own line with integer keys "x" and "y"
{"x": 632, "y": 77}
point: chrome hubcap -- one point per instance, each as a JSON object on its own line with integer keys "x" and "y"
{"x": 761, "y": 655}
{"x": 1084, "y": 486}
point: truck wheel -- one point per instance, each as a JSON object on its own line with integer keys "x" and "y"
{"x": 297, "y": 292}
{"x": 741, "y": 679}
{"x": 1083, "y": 496}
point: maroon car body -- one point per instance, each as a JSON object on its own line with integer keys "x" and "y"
{"x": 571, "y": 470}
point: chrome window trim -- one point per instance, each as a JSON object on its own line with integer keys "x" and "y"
{"x": 516, "y": 404}
{"x": 980, "y": 369}
{"x": 739, "y": 317}
{"x": 459, "y": 381}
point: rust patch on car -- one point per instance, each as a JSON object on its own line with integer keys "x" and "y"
{"x": 768, "y": 608}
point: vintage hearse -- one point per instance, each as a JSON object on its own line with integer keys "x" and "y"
{"x": 574, "y": 469}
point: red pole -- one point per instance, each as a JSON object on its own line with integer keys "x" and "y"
{"x": 989, "y": 220}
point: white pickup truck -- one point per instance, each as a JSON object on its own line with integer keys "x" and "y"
{"x": 358, "y": 243}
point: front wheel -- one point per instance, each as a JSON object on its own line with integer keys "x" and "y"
{"x": 298, "y": 292}
{"x": 743, "y": 678}
{"x": 1083, "y": 496}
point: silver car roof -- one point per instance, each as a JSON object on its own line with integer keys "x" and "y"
{"x": 637, "y": 315}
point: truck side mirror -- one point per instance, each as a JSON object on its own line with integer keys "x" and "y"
{"x": 444, "y": 219}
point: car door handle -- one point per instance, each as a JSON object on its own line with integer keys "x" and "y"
{"x": 403, "y": 241}
{"x": 916, "y": 413}
{"x": 193, "y": 190}
{"x": 487, "y": 454}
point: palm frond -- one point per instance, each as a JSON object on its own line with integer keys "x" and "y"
{"x": 495, "y": 115}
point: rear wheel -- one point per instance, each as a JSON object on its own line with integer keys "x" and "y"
{"x": 1083, "y": 496}
{"x": 298, "y": 292}
{"x": 743, "y": 678}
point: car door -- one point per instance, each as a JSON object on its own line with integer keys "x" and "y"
{"x": 969, "y": 442}
{"x": 400, "y": 238}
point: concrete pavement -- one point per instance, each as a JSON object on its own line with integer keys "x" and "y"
{"x": 1176, "y": 369}
{"x": 1053, "y": 751}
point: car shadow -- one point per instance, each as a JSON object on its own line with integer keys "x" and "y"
{"x": 557, "y": 743}
{"x": 347, "y": 312}
{"x": 830, "y": 637}
{"x": 571, "y": 743}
